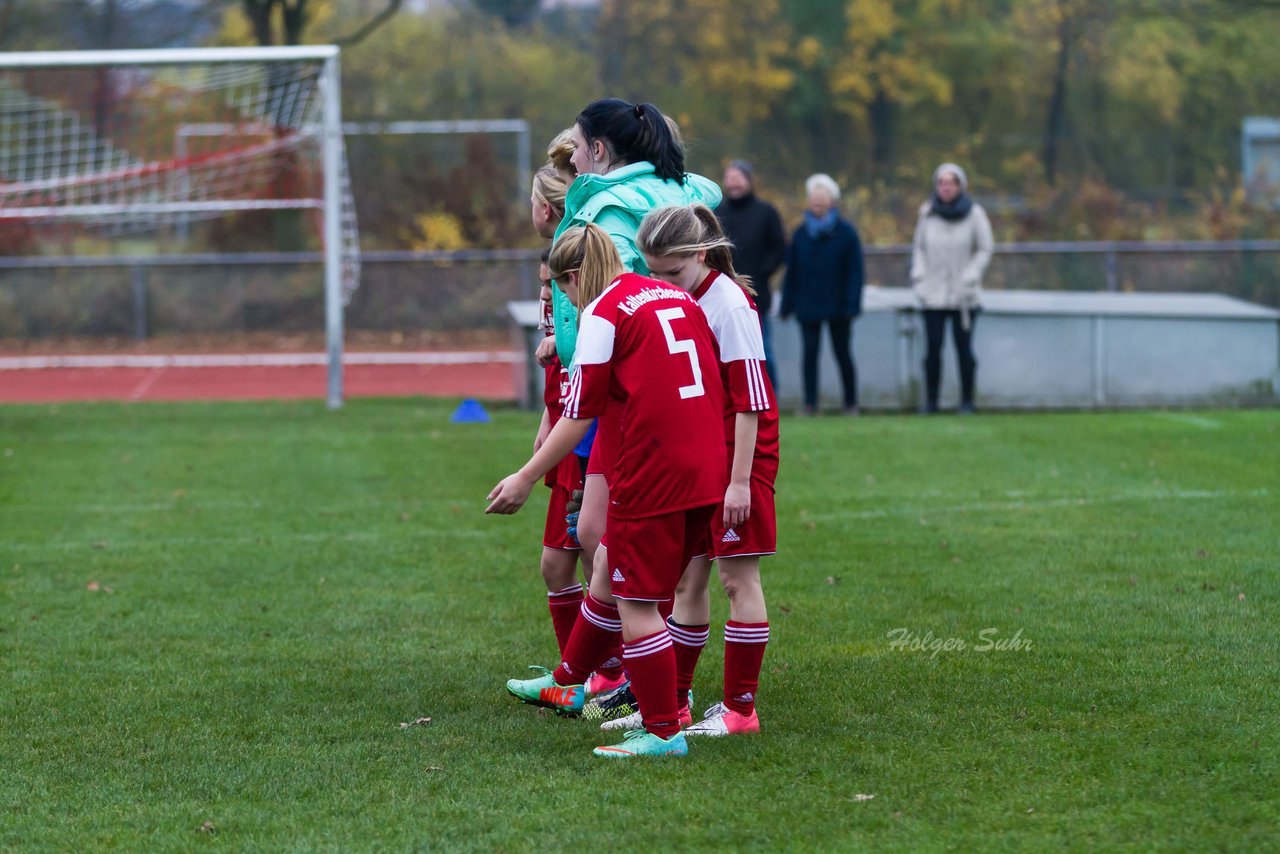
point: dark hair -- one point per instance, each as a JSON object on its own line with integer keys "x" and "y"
{"x": 546, "y": 254}
{"x": 635, "y": 132}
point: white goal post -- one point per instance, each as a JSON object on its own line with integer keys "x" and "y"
{"x": 86, "y": 147}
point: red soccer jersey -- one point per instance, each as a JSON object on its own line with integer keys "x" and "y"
{"x": 735, "y": 322}
{"x": 554, "y": 389}
{"x": 647, "y": 347}
{"x": 553, "y": 392}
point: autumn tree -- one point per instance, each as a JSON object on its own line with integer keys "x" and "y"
{"x": 285, "y": 21}
{"x": 888, "y": 64}
{"x": 717, "y": 67}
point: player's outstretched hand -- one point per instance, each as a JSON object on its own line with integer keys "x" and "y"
{"x": 546, "y": 350}
{"x": 737, "y": 505}
{"x": 509, "y": 495}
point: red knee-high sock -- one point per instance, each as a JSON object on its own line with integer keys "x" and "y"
{"x": 594, "y": 633}
{"x": 744, "y": 645}
{"x": 688, "y": 642}
{"x": 652, "y": 666}
{"x": 611, "y": 667}
{"x": 665, "y": 608}
{"x": 564, "y": 606}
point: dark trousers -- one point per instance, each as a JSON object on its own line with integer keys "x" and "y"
{"x": 842, "y": 346}
{"x": 935, "y": 330}
{"x": 770, "y": 364}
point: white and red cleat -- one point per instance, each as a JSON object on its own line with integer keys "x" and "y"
{"x": 722, "y": 720}
{"x": 636, "y": 721}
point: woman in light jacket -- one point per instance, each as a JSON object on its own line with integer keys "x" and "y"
{"x": 949, "y": 255}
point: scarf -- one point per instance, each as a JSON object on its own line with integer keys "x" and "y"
{"x": 957, "y": 209}
{"x": 820, "y": 227}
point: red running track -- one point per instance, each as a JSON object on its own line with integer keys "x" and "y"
{"x": 490, "y": 375}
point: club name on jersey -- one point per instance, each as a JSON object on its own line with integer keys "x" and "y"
{"x": 632, "y": 303}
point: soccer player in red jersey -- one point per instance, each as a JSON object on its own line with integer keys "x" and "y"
{"x": 644, "y": 349}
{"x": 547, "y": 202}
{"x": 560, "y": 551}
{"x": 686, "y": 247}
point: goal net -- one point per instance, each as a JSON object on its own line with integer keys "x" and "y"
{"x": 94, "y": 146}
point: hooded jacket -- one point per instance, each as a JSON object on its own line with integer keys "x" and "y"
{"x": 617, "y": 202}
{"x": 950, "y": 256}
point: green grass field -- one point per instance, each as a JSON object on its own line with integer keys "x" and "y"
{"x": 214, "y": 620}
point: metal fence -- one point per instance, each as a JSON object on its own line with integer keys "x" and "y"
{"x": 444, "y": 291}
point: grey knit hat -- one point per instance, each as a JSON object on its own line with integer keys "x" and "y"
{"x": 745, "y": 168}
{"x": 954, "y": 170}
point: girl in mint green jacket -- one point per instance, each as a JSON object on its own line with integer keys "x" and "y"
{"x": 629, "y": 162}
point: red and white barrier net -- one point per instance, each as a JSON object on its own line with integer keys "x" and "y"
{"x": 128, "y": 149}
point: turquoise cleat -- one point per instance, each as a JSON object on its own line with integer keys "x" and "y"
{"x": 566, "y": 700}
{"x": 640, "y": 742}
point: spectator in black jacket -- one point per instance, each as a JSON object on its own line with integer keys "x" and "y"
{"x": 759, "y": 244}
{"x": 824, "y": 284}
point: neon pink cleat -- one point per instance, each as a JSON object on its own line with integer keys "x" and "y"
{"x": 721, "y": 720}
{"x": 598, "y": 684}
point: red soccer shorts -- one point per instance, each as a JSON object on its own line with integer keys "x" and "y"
{"x": 565, "y": 477}
{"x": 757, "y": 536}
{"x": 556, "y": 533}
{"x": 648, "y": 556}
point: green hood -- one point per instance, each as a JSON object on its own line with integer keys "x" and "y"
{"x": 617, "y": 202}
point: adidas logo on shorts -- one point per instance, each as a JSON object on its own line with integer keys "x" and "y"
{"x": 731, "y": 536}
{"x": 617, "y": 574}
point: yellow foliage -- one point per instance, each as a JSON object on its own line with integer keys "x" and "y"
{"x": 1145, "y": 64}
{"x": 725, "y": 62}
{"x": 808, "y": 52}
{"x": 436, "y": 232}
{"x": 887, "y": 53}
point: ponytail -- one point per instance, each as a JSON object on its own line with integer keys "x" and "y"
{"x": 684, "y": 231}
{"x": 588, "y": 251}
{"x": 560, "y": 154}
{"x": 550, "y": 188}
{"x": 636, "y": 132}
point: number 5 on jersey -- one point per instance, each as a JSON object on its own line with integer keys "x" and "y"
{"x": 682, "y": 345}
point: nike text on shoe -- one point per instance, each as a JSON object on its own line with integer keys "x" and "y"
{"x": 543, "y": 691}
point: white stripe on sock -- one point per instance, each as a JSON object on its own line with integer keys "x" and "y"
{"x": 738, "y": 634}
{"x": 649, "y": 646}
{"x": 599, "y": 620}
{"x": 686, "y": 637}
{"x": 575, "y": 590}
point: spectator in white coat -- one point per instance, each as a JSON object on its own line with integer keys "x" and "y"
{"x": 949, "y": 256}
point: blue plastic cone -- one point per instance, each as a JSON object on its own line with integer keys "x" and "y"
{"x": 470, "y": 411}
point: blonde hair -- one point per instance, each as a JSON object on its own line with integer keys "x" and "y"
{"x": 550, "y": 188}
{"x": 560, "y": 153}
{"x": 587, "y": 250}
{"x": 687, "y": 230}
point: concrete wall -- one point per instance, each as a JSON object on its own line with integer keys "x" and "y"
{"x": 1061, "y": 350}
{"x": 1041, "y": 350}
